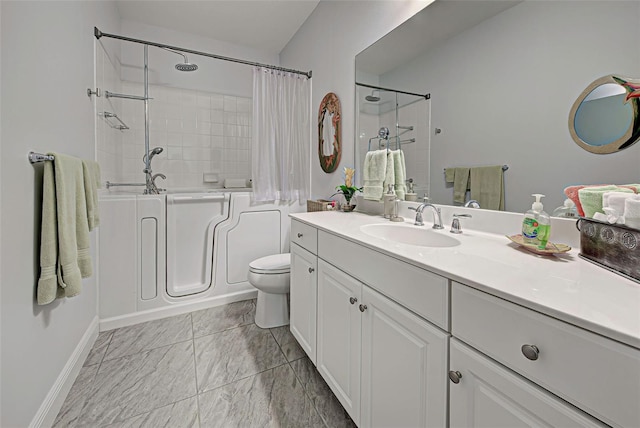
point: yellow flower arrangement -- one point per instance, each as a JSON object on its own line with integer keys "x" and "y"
{"x": 348, "y": 189}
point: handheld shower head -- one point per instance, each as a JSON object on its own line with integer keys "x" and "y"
{"x": 152, "y": 153}
{"x": 372, "y": 98}
{"x": 183, "y": 66}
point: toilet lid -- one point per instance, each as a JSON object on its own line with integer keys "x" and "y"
{"x": 277, "y": 263}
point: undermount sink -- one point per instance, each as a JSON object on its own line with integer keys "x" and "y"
{"x": 410, "y": 235}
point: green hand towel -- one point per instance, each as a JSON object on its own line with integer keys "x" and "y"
{"x": 375, "y": 168}
{"x": 65, "y": 230}
{"x": 400, "y": 174}
{"x": 487, "y": 186}
{"x": 460, "y": 184}
{"x": 390, "y": 172}
{"x": 91, "y": 176}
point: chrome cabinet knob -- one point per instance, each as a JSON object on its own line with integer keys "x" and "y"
{"x": 455, "y": 376}
{"x": 311, "y": 270}
{"x": 363, "y": 308}
{"x": 530, "y": 351}
{"x": 299, "y": 235}
{"x": 352, "y": 300}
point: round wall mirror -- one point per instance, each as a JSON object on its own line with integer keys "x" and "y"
{"x": 605, "y": 117}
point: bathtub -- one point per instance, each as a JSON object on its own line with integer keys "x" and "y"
{"x": 162, "y": 255}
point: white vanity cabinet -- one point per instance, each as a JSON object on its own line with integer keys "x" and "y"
{"x": 402, "y": 346}
{"x": 304, "y": 287}
{"x": 594, "y": 373}
{"x": 386, "y": 365}
{"x": 485, "y": 394}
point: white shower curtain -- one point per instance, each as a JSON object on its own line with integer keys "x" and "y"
{"x": 281, "y": 135}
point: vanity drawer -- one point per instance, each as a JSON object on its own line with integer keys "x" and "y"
{"x": 596, "y": 374}
{"x": 419, "y": 290}
{"x": 304, "y": 235}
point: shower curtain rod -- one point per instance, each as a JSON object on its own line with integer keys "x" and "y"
{"x": 97, "y": 33}
{"x": 425, "y": 96}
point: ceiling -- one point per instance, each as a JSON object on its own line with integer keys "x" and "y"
{"x": 434, "y": 24}
{"x": 264, "y": 24}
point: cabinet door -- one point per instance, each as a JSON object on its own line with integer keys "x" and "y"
{"x": 303, "y": 299}
{"x": 339, "y": 322}
{"x": 404, "y": 367}
{"x": 488, "y": 395}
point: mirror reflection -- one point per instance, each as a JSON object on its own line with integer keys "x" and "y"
{"x": 503, "y": 77}
{"x": 605, "y": 118}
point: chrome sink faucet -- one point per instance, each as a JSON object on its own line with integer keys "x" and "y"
{"x": 437, "y": 219}
{"x": 152, "y": 188}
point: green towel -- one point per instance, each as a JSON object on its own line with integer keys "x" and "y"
{"x": 390, "y": 172}
{"x": 91, "y": 176}
{"x": 65, "y": 240}
{"x": 400, "y": 174}
{"x": 487, "y": 186}
{"x": 591, "y": 198}
{"x": 375, "y": 168}
{"x": 461, "y": 184}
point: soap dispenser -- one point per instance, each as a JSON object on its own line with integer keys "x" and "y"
{"x": 536, "y": 225}
{"x": 388, "y": 200}
{"x": 411, "y": 195}
{"x": 568, "y": 209}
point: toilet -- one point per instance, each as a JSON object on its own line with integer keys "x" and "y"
{"x": 270, "y": 275}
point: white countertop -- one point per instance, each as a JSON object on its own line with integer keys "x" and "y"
{"x": 562, "y": 286}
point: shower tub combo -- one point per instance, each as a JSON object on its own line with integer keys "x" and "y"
{"x": 167, "y": 254}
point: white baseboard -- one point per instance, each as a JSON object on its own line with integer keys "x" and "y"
{"x": 46, "y": 415}
{"x": 175, "y": 309}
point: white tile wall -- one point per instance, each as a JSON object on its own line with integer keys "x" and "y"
{"x": 200, "y": 132}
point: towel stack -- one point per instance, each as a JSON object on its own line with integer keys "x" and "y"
{"x": 69, "y": 212}
{"x": 382, "y": 168}
{"x": 610, "y": 203}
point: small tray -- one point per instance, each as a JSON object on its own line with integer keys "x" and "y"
{"x": 550, "y": 249}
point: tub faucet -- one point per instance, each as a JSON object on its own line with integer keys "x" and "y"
{"x": 152, "y": 188}
{"x": 437, "y": 220}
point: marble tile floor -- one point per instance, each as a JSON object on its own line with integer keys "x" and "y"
{"x": 208, "y": 368}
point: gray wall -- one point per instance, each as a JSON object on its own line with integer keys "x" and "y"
{"x": 327, "y": 43}
{"x": 47, "y": 64}
{"x": 502, "y": 91}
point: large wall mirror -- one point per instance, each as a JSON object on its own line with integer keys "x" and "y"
{"x": 503, "y": 77}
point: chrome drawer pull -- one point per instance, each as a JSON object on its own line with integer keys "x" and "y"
{"x": 311, "y": 270}
{"x": 530, "y": 351}
{"x": 352, "y": 300}
{"x": 455, "y": 376}
{"x": 299, "y": 235}
{"x": 363, "y": 308}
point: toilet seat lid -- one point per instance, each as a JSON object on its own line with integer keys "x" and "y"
{"x": 276, "y": 263}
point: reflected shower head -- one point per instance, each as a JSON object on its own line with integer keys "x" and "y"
{"x": 372, "y": 98}
{"x": 183, "y": 66}
{"x": 186, "y": 66}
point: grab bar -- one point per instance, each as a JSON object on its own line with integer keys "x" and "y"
{"x": 109, "y": 184}
{"x": 208, "y": 197}
{"x": 108, "y": 114}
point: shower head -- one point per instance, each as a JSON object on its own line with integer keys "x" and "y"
{"x": 183, "y": 66}
{"x": 372, "y": 98}
{"x": 152, "y": 153}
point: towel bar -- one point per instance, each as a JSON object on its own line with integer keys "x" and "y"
{"x": 39, "y": 157}
{"x": 504, "y": 167}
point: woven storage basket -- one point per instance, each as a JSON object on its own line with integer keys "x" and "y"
{"x": 319, "y": 205}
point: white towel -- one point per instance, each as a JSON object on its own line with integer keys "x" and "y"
{"x": 616, "y": 200}
{"x": 400, "y": 173}
{"x": 374, "y": 173}
{"x": 632, "y": 212}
